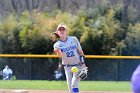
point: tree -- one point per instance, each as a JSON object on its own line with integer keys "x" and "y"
{"x": 132, "y": 40}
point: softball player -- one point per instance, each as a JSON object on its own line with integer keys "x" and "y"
{"x": 69, "y": 49}
{"x": 135, "y": 80}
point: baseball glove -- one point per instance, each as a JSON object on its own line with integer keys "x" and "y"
{"x": 55, "y": 37}
{"x": 83, "y": 73}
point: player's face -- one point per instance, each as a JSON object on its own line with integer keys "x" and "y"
{"x": 62, "y": 32}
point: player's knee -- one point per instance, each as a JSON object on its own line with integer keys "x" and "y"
{"x": 75, "y": 90}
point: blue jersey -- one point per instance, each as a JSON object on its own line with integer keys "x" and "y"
{"x": 69, "y": 49}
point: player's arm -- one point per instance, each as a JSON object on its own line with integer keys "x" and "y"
{"x": 81, "y": 52}
{"x": 79, "y": 48}
{"x": 58, "y": 52}
{"x": 82, "y": 56}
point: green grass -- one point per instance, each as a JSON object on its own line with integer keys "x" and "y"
{"x": 61, "y": 85}
{"x": 105, "y": 86}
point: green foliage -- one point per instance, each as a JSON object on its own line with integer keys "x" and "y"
{"x": 107, "y": 29}
{"x": 132, "y": 39}
{"x": 98, "y": 29}
{"x": 30, "y": 32}
{"x": 133, "y": 16}
{"x": 32, "y": 36}
{"x": 77, "y": 28}
{"x": 87, "y": 42}
{"x": 6, "y": 35}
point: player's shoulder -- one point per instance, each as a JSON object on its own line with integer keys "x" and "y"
{"x": 72, "y": 37}
{"x": 57, "y": 43}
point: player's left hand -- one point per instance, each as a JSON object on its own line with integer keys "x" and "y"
{"x": 83, "y": 73}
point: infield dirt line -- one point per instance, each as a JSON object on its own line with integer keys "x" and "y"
{"x": 63, "y": 91}
{"x": 52, "y": 91}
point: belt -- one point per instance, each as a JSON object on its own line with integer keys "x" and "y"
{"x": 70, "y": 65}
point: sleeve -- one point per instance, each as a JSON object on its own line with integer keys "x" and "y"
{"x": 79, "y": 48}
{"x": 78, "y": 44}
{"x": 55, "y": 46}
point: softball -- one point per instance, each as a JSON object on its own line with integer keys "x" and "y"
{"x": 74, "y": 69}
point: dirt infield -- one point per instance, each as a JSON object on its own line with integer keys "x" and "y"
{"x": 63, "y": 91}
{"x": 53, "y": 91}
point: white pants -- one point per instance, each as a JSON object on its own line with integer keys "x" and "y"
{"x": 72, "y": 80}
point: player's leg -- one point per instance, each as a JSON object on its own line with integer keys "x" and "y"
{"x": 75, "y": 82}
{"x": 68, "y": 78}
